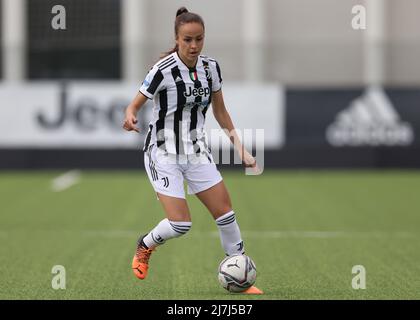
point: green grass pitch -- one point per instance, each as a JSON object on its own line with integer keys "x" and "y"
{"x": 305, "y": 230}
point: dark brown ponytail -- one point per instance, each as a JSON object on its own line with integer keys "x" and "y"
{"x": 183, "y": 16}
{"x": 181, "y": 11}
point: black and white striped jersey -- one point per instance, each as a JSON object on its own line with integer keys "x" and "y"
{"x": 181, "y": 98}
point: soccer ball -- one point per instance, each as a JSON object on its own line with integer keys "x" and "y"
{"x": 237, "y": 273}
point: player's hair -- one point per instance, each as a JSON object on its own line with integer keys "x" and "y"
{"x": 183, "y": 16}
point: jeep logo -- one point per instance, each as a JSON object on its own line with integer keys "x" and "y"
{"x": 197, "y": 92}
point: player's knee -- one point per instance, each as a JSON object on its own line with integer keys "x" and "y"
{"x": 222, "y": 211}
{"x": 225, "y": 206}
{"x": 180, "y": 228}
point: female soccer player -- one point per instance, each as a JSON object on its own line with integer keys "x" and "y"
{"x": 182, "y": 85}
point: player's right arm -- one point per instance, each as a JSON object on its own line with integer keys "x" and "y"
{"x": 152, "y": 84}
{"x": 131, "y": 111}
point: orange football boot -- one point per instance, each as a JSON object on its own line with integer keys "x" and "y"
{"x": 252, "y": 290}
{"x": 140, "y": 262}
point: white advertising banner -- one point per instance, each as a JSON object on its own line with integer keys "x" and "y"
{"x": 88, "y": 114}
{"x": 253, "y": 108}
{"x": 77, "y": 115}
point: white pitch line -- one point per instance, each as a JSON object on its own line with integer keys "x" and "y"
{"x": 65, "y": 181}
{"x": 295, "y": 234}
{"x": 327, "y": 234}
{"x": 112, "y": 233}
{"x": 267, "y": 234}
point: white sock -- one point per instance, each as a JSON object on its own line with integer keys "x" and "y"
{"x": 166, "y": 230}
{"x": 230, "y": 235}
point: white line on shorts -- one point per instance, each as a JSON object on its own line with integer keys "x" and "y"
{"x": 65, "y": 180}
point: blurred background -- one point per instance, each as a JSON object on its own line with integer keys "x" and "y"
{"x": 335, "y": 85}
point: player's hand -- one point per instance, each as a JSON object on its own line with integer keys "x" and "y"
{"x": 130, "y": 123}
{"x": 249, "y": 161}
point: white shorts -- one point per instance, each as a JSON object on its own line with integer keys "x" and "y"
{"x": 167, "y": 172}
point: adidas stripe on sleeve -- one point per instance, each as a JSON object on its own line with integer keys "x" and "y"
{"x": 152, "y": 83}
{"x": 216, "y": 75}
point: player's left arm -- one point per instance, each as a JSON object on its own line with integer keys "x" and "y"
{"x": 223, "y": 118}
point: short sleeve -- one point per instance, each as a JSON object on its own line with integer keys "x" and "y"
{"x": 152, "y": 83}
{"x": 217, "y": 77}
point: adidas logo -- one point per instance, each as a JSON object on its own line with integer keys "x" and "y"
{"x": 178, "y": 79}
{"x": 370, "y": 120}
